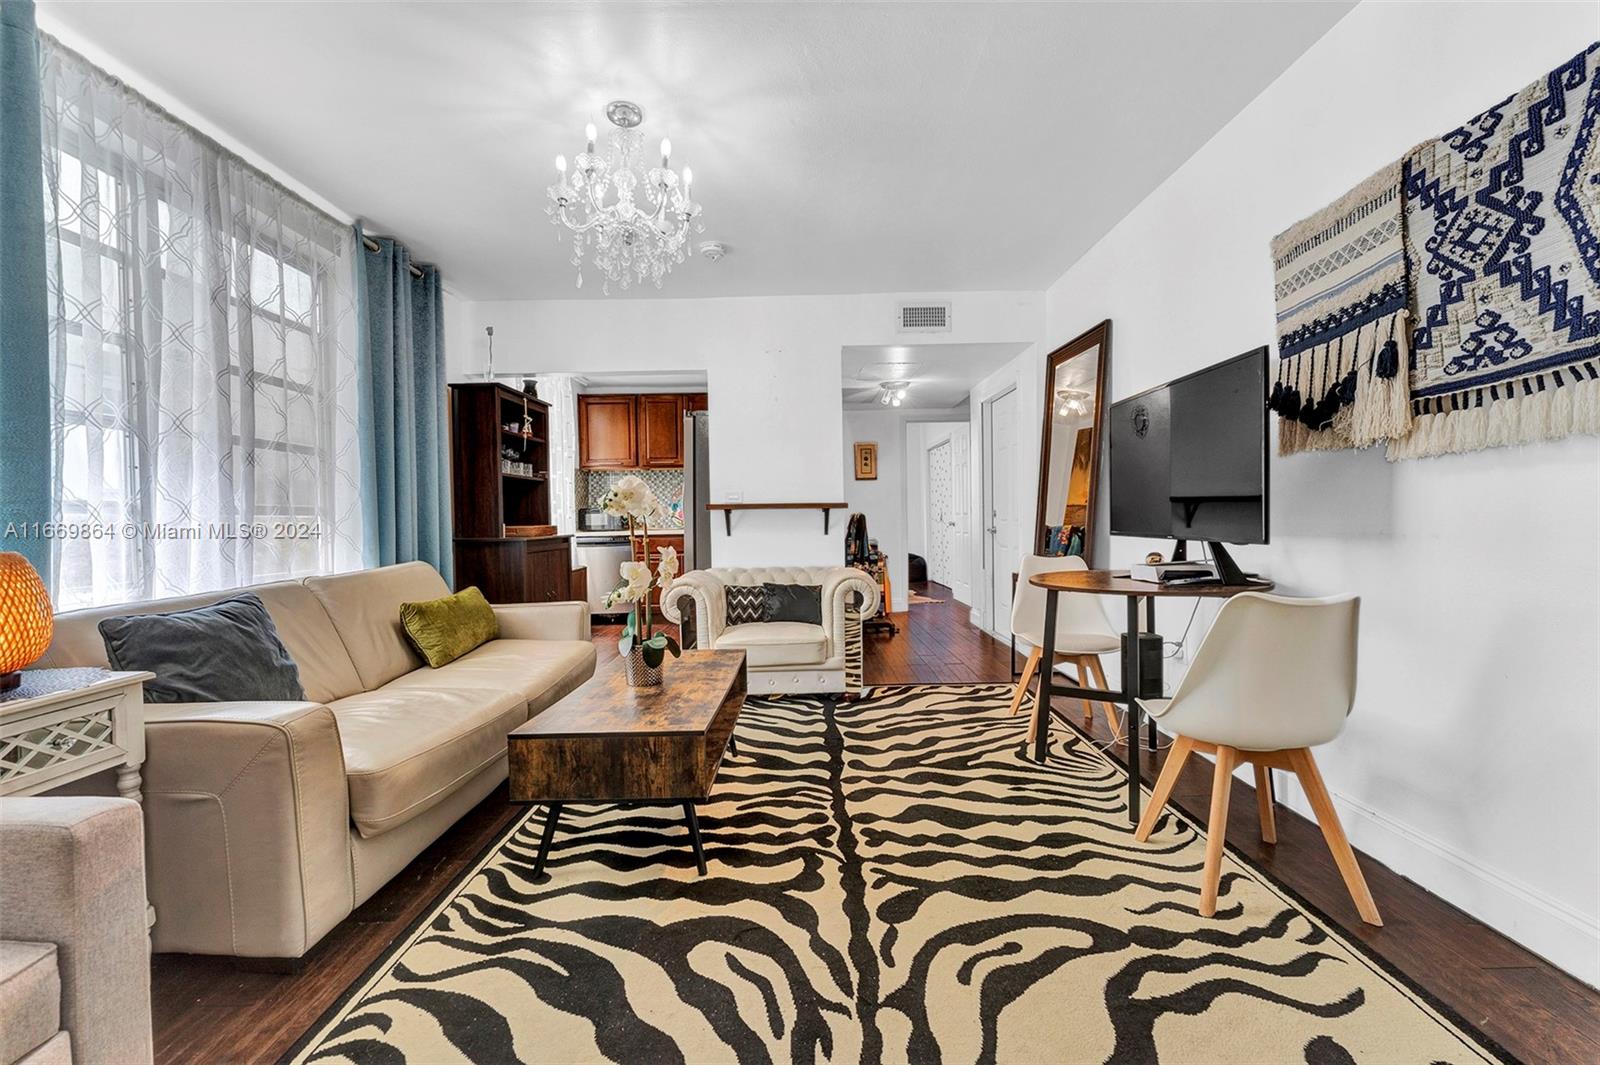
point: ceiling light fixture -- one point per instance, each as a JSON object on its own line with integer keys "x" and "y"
{"x": 892, "y": 393}
{"x": 1070, "y": 401}
{"x": 626, "y": 241}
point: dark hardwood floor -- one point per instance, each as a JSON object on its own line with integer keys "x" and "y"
{"x": 209, "y": 1010}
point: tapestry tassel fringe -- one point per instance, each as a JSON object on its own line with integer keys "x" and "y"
{"x": 1546, "y": 409}
{"x": 1350, "y": 392}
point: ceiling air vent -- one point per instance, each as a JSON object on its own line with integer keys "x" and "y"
{"x": 924, "y": 318}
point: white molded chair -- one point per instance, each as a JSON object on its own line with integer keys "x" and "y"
{"x": 1273, "y": 678}
{"x": 1082, "y": 632}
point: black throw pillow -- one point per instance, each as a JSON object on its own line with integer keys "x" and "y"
{"x": 747, "y": 603}
{"x": 794, "y": 602}
{"x": 228, "y": 651}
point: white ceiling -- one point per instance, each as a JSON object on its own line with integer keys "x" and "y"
{"x": 917, "y": 147}
{"x": 941, "y": 375}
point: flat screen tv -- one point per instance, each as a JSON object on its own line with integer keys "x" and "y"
{"x": 1189, "y": 458}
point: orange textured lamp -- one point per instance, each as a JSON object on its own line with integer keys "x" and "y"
{"x": 26, "y": 620}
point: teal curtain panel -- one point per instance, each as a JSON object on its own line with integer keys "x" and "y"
{"x": 404, "y": 453}
{"x": 25, "y": 462}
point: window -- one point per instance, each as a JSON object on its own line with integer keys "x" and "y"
{"x": 203, "y": 367}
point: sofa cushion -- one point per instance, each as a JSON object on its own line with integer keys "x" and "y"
{"x": 326, "y": 671}
{"x": 30, "y": 997}
{"x": 542, "y": 671}
{"x": 365, "y": 609}
{"x": 777, "y": 643}
{"x": 58, "y": 1051}
{"x": 746, "y": 604}
{"x": 406, "y": 749}
{"x": 793, "y": 602}
{"x": 227, "y": 651}
{"x": 442, "y": 630}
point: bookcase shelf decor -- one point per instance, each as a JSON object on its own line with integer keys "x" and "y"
{"x": 500, "y": 481}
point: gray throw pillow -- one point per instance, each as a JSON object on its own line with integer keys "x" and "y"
{"x": 226, "y": 652}
{"x": 794, "y": 602}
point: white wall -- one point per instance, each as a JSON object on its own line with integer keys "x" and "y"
{"x": 1470, "y": 763}
{"x": 773, "y": 377}
{"x": 1025, "y": 374}
{"x": 886, "y": 500}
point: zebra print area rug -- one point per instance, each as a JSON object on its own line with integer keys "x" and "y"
{"x": 891, "y": 880}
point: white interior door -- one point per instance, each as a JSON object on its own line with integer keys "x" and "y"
{"x": 941, "y": 522}
{"x": 961, "y": 515}
{"x": 1003, "y": 531}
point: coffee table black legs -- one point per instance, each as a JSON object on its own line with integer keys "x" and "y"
{"x": 694, "y": 837}
{"x": 550, "y": 818}
{"x": 553, "y": 815}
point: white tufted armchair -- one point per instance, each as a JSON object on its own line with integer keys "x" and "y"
{"x": 781, "y": 656}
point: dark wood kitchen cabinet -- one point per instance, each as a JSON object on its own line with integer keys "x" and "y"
{"x": 634, "y": 432}
{"x": 608, "y": 432}
{"x": 516, "y": 569}
{"x": 661, "y": 431}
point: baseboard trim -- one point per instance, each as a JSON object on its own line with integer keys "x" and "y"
{"x": 1561, "y": 934}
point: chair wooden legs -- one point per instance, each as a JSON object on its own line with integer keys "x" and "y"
{"x": 1088, "y": 666}
{"x": 1217, "y": 829}
{"x": 1269, "y": 821}
{"x": 1317, "y": 793}
{"x": 1022, "y": 681}
{"x": 1100, "y": 682}
{"x": 1228, "y": 758}
{"x": 1163, "y": 789}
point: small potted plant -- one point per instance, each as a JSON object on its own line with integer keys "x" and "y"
{"x": 643, "y": 649}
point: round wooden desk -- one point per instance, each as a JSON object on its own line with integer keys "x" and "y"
{"x": 1109, "y": 582}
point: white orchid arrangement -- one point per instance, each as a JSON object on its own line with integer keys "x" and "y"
{"x": 632, "y": 499}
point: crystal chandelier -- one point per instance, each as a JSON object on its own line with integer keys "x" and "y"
{"x": 627, "y": 241}
{"x": 1070, "y": 401}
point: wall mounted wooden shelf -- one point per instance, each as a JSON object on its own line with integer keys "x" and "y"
{"x": 728, "y": 509}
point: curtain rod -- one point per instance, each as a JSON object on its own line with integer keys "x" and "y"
{"x": 372, "y": 245}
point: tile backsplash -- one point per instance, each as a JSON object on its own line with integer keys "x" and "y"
{"x": 593, "y": 485}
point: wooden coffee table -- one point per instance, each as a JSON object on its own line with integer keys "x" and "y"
{"x": 609, "y": 742}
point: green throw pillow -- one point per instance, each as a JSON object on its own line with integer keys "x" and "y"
{"x": 445, "y": 629}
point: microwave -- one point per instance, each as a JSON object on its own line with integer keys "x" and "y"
{"x": 593, "y": 519}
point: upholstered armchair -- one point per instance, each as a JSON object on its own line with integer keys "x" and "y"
{"x": 74, "y": 940}
{"x": 781, "y": 656}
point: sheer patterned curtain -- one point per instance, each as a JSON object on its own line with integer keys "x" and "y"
{"x": 561, "y": 392}
{"x": 203, "y": 356}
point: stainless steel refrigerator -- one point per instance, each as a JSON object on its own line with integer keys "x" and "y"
{"x": 696, "y": 491}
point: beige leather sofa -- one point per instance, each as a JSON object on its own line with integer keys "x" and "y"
{"x": 74, "y": 958}
{"x": 268, "y": 822}
{"x": 781, "y": 656}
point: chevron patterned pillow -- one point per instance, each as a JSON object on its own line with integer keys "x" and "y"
{"x": 746, "y": 604}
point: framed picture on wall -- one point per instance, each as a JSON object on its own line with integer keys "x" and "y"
{"x": 867, "y": 462}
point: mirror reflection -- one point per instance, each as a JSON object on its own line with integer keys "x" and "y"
{"x": 1070, "y": 450}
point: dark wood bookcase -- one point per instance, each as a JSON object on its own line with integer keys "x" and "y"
{"x": 500, "y": 496}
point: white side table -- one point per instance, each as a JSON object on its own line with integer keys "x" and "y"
{"x": 61, "y": 725}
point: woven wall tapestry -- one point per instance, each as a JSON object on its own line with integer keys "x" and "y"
{"x": 1340, "y": 279}
{"x": 1502, "y": 217}
{"x": 1480, "y": 249}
